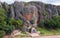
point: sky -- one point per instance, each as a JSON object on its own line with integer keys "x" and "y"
{"x": 55, "y": 2}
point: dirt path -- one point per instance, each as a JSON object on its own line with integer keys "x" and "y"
{"x": 37, "y": 36}
{"x": 55, "y": 36}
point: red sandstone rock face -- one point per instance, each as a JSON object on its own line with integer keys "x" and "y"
{"x": 28, "y": 16}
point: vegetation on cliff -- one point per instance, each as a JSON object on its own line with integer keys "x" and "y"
{"x": 15, "y": 16}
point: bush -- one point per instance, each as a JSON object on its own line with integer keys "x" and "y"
{"x": 12, "y": 22}
{"x": 32, "y": 21}
{"x": 57, "y": 20}
{"x": 41, "y": 24}
{"x": 2, "y": 14}
{"x": 7, "y": 28}
{"x": 3, "y": 24}
{"x": 52, "y": 23}
{"x": 2, "y": 33}
{"x": 19, "y": 23}
{"x": 16, "y": 23}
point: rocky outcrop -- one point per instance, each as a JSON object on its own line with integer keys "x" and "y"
{"x": 40, "y": 7}
{"x": 51, "y": 10}
{"x": 5, "y": 6}
{"x": 12, "y": 14}
{"x": 58, "y": 9}
{"x": 18, "y": 7}
{"x": 0, "y": 4}
{"x": 31, "y": 13}
{"x": 34, "y": 12}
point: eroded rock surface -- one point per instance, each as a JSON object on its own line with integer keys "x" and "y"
{"x": 31, "y": 13}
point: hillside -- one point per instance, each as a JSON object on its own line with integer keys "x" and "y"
{"x": 30, "y": 13}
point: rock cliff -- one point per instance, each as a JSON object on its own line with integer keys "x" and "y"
{"x": 31, "y": 13}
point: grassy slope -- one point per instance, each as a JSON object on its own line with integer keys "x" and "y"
{"x": 48, "y": 32}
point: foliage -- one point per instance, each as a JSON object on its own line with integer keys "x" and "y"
{"x": 52, "y": 23}
{"x": 3, "y": 22}
{"x": 44, "y": 14}
{"x": 57, "y": 20}
{"x": 15, "y": 22}
{"x": 7, "y": 28}
{"x": 2, "y": 33}
{"x": 49, "y": 24}
{"x": 19, "y": 23}
{"x": 2, "y": 14}
{"x": 32, "y": 21}
{"x": 12, "y": 21}
{"x": 41, "y": 24}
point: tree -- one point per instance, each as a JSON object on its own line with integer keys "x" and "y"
{"x": 53, "y": 23}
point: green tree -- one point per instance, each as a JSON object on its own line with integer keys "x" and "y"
{"x": 16, "y": 23}
{"x": 53, "y": 23}
{"x": 3, "y": 22}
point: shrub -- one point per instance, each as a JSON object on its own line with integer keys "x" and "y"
{"x": 41, "y": 24}
{"x": 16, "y": 23}
{"x": 2, "y": 33}
{"x": 57, "y": 20}
{"x": 52, "y": 23}
{"x": 19, "y": 23}
{"x": 32, "y": 21}
{"x": 12, "y": 21}
{"x": 7, "y": 28}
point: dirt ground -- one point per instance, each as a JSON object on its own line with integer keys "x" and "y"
{"x": 55, "y": 36}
